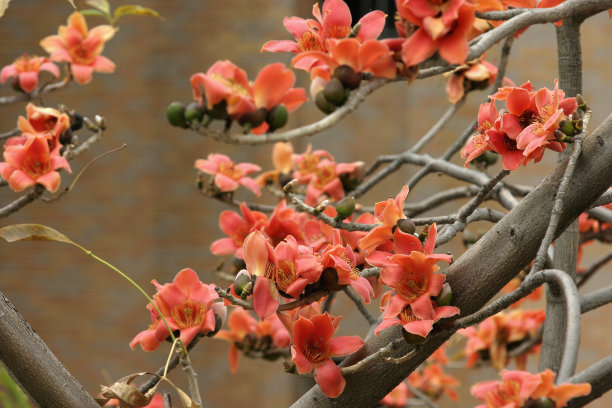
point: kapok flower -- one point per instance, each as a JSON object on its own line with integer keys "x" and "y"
{"x": 432, "y": 381}
{"x": 475, "y": 75}
{"x": 247, "y": 334}
{"x": 25, "y": 71}
{"x": 307, "y": 162}
{"x": 237, "y": 228}
{"x": 387, "y": 213}
{"x": 344, "y": 261}
{"x": 80, "y": 47}
{"x": 334, "y": 22}
{"x": 371, "y": 56}
{"x": 398, "y": 397}
{"x": 188, "y": 306}
{"x": 32, "y": 163}
{"x": 297, "y": 266}
{"x": 495, "y": 336}
{"x": 411, "y": 323}
{"x": 313, "y": 347}
{"x": 327, "y": 180}
{"x": 47, "y": 122}
{"x": 414, "y": 281}
{"x": 479, "y": 142}
{"x": 281, "y": 158}
{"x": 262, "y": 263}
{"x": 517, "y": 388}
{"x": 228, "y": 175}
{"x": 443, "y": 26}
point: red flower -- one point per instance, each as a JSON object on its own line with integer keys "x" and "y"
{"x": 313, "y": 347}
{"x": 432, "y": 381}
{"x": 237, "y": 228}
{"x": 518, "y": 387}
{"x": 297, "y": 266}
{"x": 228, "y": 175}
{"x": 334, "y": 22}
{"x": 188, "y": 305}
{"x": 261, "y": 262}
{"x": 80, "y": 47}
{"x": 47, "y": 122}
{"x": 32, "y": 163}
{"x": 466, "y": 77}
{"x": 248, "y": 334}
{"x": 479, "y": 142}
{"x": 25, "y": 71}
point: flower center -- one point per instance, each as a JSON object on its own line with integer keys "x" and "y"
{"x": 316, "y": 349}
{"x": 308, "y": 165}
{"x": 510, "y": 143}
{"x": 353, "y": 273}
{"x": 406, "y": 315}
{"x": 309, "y": 42}
{"x": 28, "y": 63}
{"x": 81, "y": 55}
{"x": 227, "y": 168}
{"x": 527, "y": 118}
{"x": 285, "y": 274}
{"x": 36, "y": 165}
{"x": 412, "y": 287}
{"x": 325, "y": 174}
{"x": 230, "y": 83}
{"x": 338, "y": 31}
{"x": 189, "y": 313}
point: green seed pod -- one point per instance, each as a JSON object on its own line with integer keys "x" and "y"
{"x": 277, "y": 117}
{"x": 176, "y": 114}
{"x": 487, "y": 158}
{"x": 347, "y": 75}
{"x": 323, "y": 104}
{"x": 194, "y": 113}
{"x": 334, "y": 92}
{"x": 345, "y": 207}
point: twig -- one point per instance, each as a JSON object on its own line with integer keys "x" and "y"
{"x": 422, "y": 396}
{"x": 22, "y": 201}
{"x": 500, "y": 15}
{"x": 374, "y": 357}
{"x": 350, "y": 292}
{"x": 192, "y": 376}
{"x": 9, "y": 134}
{"x": 586, "y": 275}
{"x": 595, "y": 299}
{"x": 306, "y": 300}
{"x": 233, "y": 299}
{"x": 10, "y": 99}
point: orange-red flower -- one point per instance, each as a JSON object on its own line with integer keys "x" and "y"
{"x": 313, "y": 347}
{"x": 495, "y": 336}
{"x": 398, "y": 397}
{"x": 517, "y": 388}
{"x": 47, "y": 122}
{"x": 80, "y": 47}
{"x": 237, "y": 228}
{"x": 262, "y": 263}
{"x": 334, "y": 22}
{"x": 247, "y": 334}
{"x": 25, "y": 71}
{"x": 229, "y": 175}
{"x": 432, "y": 381}
{"x": 31, "y": 162}
{"x": 475, "y": 75}
{"x": 188, "y": 306}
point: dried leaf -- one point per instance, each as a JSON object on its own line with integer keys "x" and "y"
{"x": 32, "y": 232}
{"x": 185, "y": 399}
{"x": 3, "y": 6}
{"x": 127, "y": 394}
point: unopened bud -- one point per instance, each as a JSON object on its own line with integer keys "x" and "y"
{"x": 345, "y": 207}
{"x": 243, "y": 284}
{"x": 406, "y": 225}
{"x": 567, "y": 127}
{"x": 579, "y": 125}
{"x": 253, "y": 119}
{"x": 445, "y": 297}
{"x": 194, "y": 113}
{"x": 176, "y": 114}
{"x": 100, "y": 122}
{"x": 347, "y": 75}
{"x": 581, "y": 103}
{"x": 323, "y": 104}
{"x": 277, "y": 117}
{"x": 334, "y": 92}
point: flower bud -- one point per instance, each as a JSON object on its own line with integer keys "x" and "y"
{"x": 581, "y": 103}
{"x": 406, "y": 225}
{"x": 334, "y": 92}
{"x": 253, "y": 119}
{"x": 445, "y": 297}
{"x": 487, "y": 158}
{"x": 176, "y": 114}
{"x": 347, "y": 75}
{"x": 567, "y": 127}
{"x": 579, "y": 125}
{"x": 323, "y": 104}
{"x": 194, "y": 113}
{"x": 345, "y": 207}
{"x": 76, "y": 121}
{"x": 329, "y": 278}
{"x": 277, "y": 117}
{"x": 243, "y": 284}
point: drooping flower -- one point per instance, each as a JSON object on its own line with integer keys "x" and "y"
{"x": 497, "y": 335}
{"x": 247, "y": 335}
{"x": 479, "y": 142}
{"x": 281, "y": 158}
{"x": 312, "y": 349}
{"x": 517, "y": 388}
{"x": 473, "y": 75}
{"x": 432, "y": 381}
{"x": 47, "y": 122}
{"x": 229, "y": 175}
{"x": 443, "y": 26}
{"x": 32, "y": 163}
{"x": 25, "y": 70}
{"x": 188, "y": 305}
{"x": 80, "y": 47}
{"x": 333, "y": 22}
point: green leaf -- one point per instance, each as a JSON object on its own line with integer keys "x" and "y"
{"x": 94, "y": 12}
{"x": 101, "y": 5}
{"x": 32, "y": 232}
{"x": 132, "y": 9}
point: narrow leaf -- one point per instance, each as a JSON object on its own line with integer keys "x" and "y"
{"x": 101, "y": 5}
{"x": 94, "y": 12}
{"x": 134, "y": 10}
{"x": 32, "y": 232}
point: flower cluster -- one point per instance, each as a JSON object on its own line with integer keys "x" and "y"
{"x": 520, "y": 389}
{"x": 187, "y": 305}
{"x": 34, "y": 156}
{"x": 496, "y": 337}
{"x": 528, "y": 126}
{"x": 226, "y": 93}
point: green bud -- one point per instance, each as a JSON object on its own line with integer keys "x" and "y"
{"x": 176, "y": 114}
{"x": 218, "y": 111}
{"x": 253, "y": 119}
{"x": 579, "y": 125}
{"x": 277, "y": 117}
{"x": 406, "y": 225}
{"x": 323, "y": 104}
{"x": 487, "y": 158}
{"x": 412, "y": 338}
{"x": 334, "y": 92}
{"x": 345, "y": 207}
{"x": 194, "y": 113}
{"x": 347, "y": 75}
{"x": 445, "y": 297}
{"x": 243, "y": 284}
{"x": 567, "y": 127}
{"x": 581, "y": 103}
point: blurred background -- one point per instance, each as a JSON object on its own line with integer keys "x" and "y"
{"x": 140, "y": 209}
